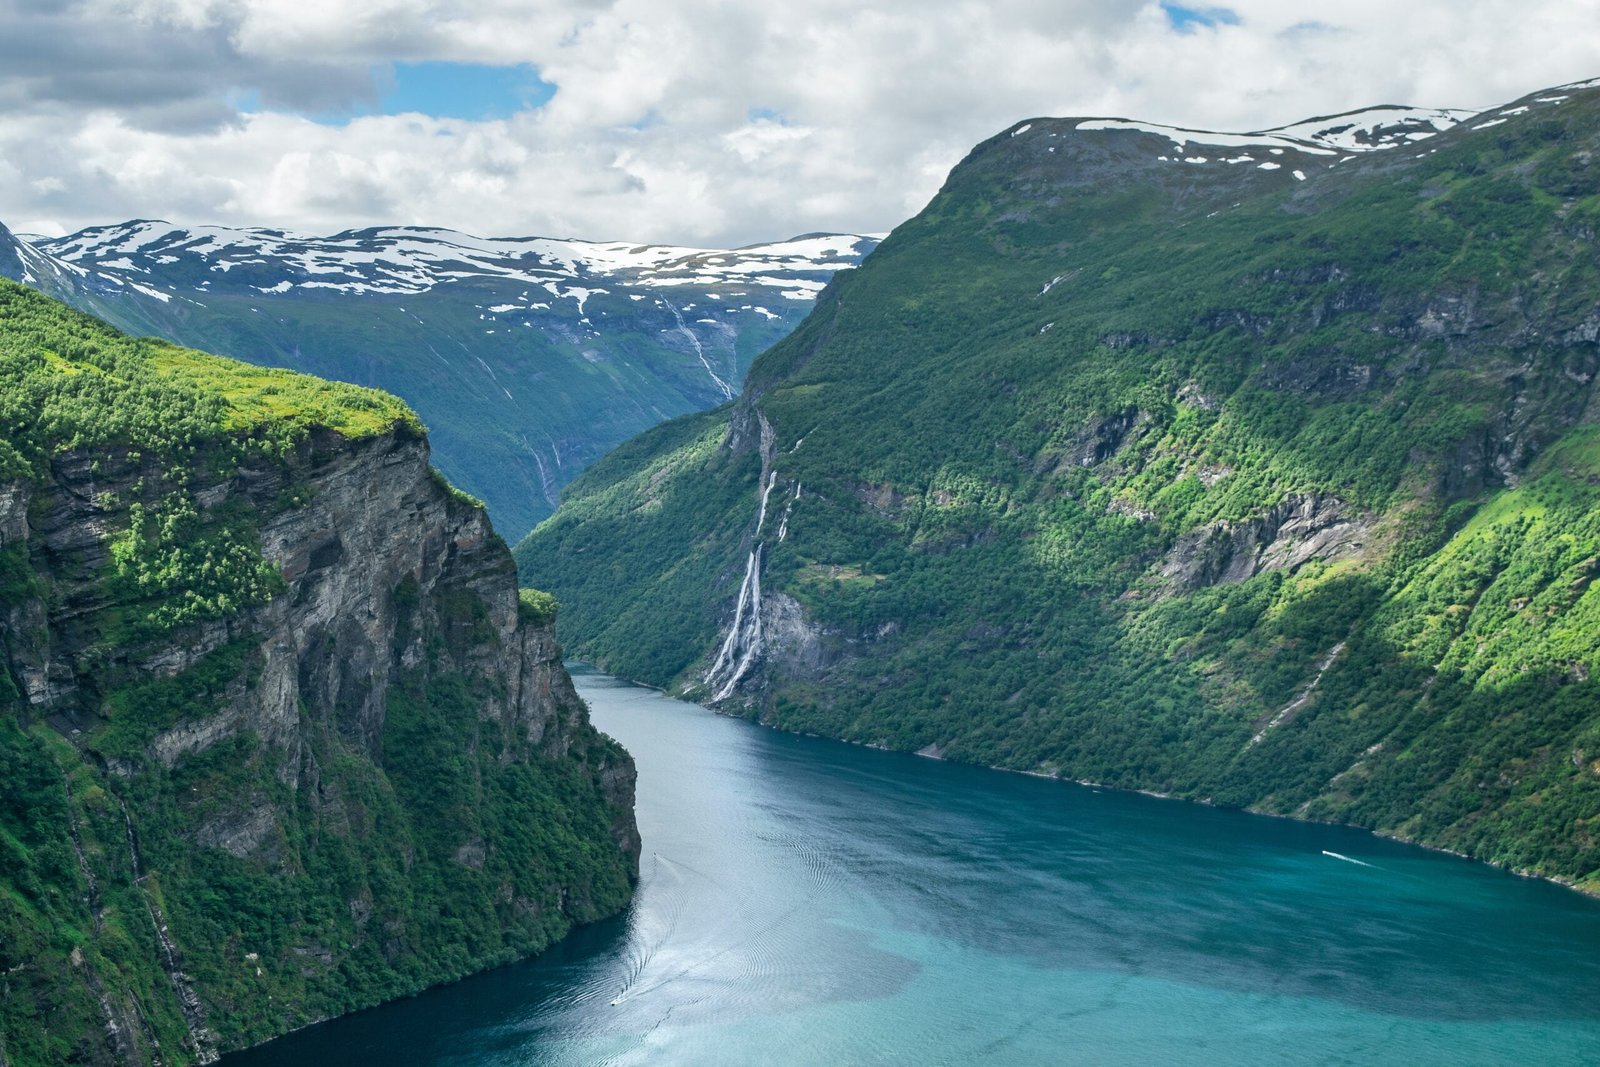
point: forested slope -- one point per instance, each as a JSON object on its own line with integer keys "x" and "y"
{"x": 1232, "y": 469}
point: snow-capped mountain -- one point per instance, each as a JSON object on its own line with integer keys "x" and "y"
{"x": 1302, "y": 147}
{"x": 528, "y": 357}
{"x": 410, "y": 259}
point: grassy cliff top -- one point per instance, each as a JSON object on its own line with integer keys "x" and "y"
{"x": 69, "y": 380}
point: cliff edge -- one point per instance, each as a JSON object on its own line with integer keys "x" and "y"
{"x": 278, "y": 737}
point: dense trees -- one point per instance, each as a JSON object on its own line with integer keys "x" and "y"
{"x": 1012, "y": 421}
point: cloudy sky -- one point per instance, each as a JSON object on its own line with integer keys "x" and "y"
{"x": 707, "y": 122}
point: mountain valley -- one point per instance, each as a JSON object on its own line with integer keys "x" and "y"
{"x": 1254, "y": 469}
{"x": 527, "y": 358}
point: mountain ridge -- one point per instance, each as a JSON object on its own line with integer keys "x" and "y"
{"x": 1207, "y": 480}
{"x": 399, "y": 258}
{"x": 1377, "y": 128}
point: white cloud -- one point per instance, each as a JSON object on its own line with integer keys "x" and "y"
{"x": 717, "y": 121}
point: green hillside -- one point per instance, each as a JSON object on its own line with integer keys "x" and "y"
{"x": 258, "y": 765}
{"x": 1207, "y": 480}
{"x": 71, "y": 380}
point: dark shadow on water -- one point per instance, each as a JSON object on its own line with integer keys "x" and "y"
{"x": 429, "y": 1028}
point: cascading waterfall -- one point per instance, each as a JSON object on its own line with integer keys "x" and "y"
{"x": 699, "y": 350}
{"x": 761, "y": 513}
{"x": 743, "y": 645}
{"x": 729, "y": 644}
{"x": 783, "y": 527}
{"x": 746, "y": 628}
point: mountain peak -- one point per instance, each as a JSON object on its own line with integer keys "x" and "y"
{"x": 1100, "y": 151}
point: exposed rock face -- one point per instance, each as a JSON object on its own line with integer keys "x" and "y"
{"x": 391, "y": 584}
{"x": 1304, "y": 527}
{"x": 796, "y": 647}
{"x": 375, "y": 519}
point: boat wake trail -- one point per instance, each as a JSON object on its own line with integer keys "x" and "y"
{"x": 654, "y": 928}
{"x": 1347, "y": 859}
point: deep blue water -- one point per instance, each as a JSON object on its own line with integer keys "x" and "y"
{"x": 808, "y": 902}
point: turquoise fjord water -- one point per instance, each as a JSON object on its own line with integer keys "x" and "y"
{"x": 809, "y": 902}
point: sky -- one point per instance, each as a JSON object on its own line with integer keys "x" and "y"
{"x": 711, "y": 123}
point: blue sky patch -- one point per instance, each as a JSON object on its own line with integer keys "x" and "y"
{"x": 244, "y": 101}
{"x": 464, "y": 90}
{"x": 473, "y": 91}
{"x": 1189, "y": 19}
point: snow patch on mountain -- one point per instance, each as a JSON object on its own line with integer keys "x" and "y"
{"x": 1181, "y": 138}
{"x": 1375, "y": 128}
{"x": 417, "y": 259}
{"x": 1369, "y": 130}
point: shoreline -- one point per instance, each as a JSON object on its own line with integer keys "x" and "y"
{"x": 937, "y": 754}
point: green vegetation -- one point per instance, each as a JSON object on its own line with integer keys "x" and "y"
{"x": 391, "y": 876}
{"x": 70, "y": 381}
{"x": 71, "y": 385}
{"x": 304, "y": 857}
{"x": 188, "y": 569}
{"x": 458, "y": 494}
{"x": 535, "y": 607}
{"x": 1044, "y": 438}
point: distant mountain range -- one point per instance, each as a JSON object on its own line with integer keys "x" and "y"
{"x": 527, "y": 357}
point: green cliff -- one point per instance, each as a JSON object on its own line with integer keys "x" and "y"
{"x": 278, "y": 737}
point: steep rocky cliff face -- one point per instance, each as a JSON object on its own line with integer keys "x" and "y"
{"x": 232, "y": 807}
